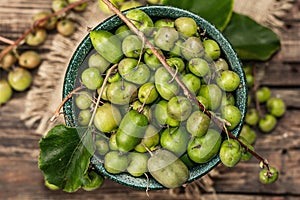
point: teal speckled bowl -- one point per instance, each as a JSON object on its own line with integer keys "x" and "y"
{"x": 111, "y": 23}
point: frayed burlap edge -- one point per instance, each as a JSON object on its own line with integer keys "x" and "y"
{"x": 46, "y": 92}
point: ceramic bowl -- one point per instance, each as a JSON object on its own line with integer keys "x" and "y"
{"x": 85, "y": 47}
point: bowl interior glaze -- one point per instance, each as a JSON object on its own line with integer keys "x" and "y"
{"x": 85, "y": 47}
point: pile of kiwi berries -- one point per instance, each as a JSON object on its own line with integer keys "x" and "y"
{"x": 17, "y": 65}
{"x": 144, "y": 123}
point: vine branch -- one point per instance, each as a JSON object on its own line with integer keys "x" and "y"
{"x": 186, "y": 91}
{"x": 101, "y": 92}
{"x": 69, "y": 96}
{"x": 6, "y": 40}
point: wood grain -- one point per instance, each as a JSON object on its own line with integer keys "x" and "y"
{"x": 20, "y": 177}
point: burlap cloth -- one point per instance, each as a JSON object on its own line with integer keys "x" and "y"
{"x": 46, "y": 92}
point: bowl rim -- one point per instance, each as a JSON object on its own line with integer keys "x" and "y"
{"x": 159, "y": 11}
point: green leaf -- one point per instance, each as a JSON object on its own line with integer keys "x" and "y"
{"x": 251, "y": 40}
{"x": 217, "y": 12}
{"x": 65, "y": 156}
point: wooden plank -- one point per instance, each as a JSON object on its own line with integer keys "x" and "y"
{"x": 290, "y": 96}
{"x": 290, "y": 42}
{"x": 278, "y": 74}
{"x": 290, "y": 36}
{"x": 21, "y": 179}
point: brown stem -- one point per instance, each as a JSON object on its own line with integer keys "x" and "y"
{"x": 36, "y": 24}
{"x": 140, "y": 109}
{"x": 255, "y": 154}
{"x": 186, "y": 91}
{"x": 6, "y": 40}
{"x": 69, "y": 96}
{"x": 101, "y": 92}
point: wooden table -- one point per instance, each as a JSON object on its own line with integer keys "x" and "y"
{"x": 20, "y": 177}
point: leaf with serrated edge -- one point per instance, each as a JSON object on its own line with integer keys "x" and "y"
{"x": 65, "y": 155}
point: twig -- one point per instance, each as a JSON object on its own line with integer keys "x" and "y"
{"x": 36, "y": 24}
{"x": 6, "y": 40}
{"x": 101, "y": 92}
{"x": 140, "y": 109}
{"x": 69, "y": 96}
{"x": 186, "y": 91}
